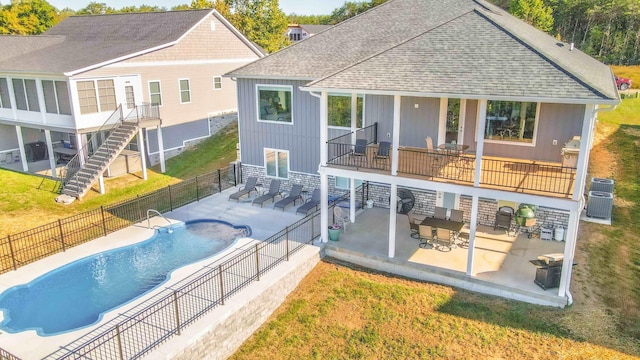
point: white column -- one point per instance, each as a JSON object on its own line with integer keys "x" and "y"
{"x": 583, "y": 157}
{"x": 354, "y": 117}
{"x": 482, "y": 121}
{"x": 392, "y": 220}
{"x": 101, "y": 183}
{"x": 472, "y": 235}
{"x": 82, "y": 156}
{"x": 143, "y": 161}
{"x": 352, "y": 200}
{"x": 160, "y": 150}
{"x": 23, "y": 155}
{"x": 569, "y": 250}
{"x": 41, "y": 102}
{"x": 324, "y": 123}
{"x": 52, "y": 156}
{"x": 461, "y": 120}
{"x": 442, "y": 121}
{"x": 397, "y": 100}
{"x": 324, "y": 206}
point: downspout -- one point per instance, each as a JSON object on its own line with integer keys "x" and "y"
{"x": 317, "y": 95}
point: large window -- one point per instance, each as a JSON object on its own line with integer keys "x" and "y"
{"x": 185, "y": 91}
{"x": 26, "y": 94}
{"x": 274, "y": 103}
{"x": 339, "y": 110}
{"x": 276, "y": 163}
{"x": 87, "y": 97}
{"x": 56, "y": 97}
{"x": 511, "y": 121}
{"x": 5, "y": 101}
{"x": 155, "y": 93}
{"x": 107, "y": 94}
{"x": 344, "y": 183}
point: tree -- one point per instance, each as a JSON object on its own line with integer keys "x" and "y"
{"x": 27, "y": 17}
{"x": 535, "y": 12}
{"x": 95, "y": 8}
{"x": 351, "y": 9}
{"x": 261, "y": 21}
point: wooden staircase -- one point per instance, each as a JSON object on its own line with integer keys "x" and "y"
{"x": 81, "y": 182}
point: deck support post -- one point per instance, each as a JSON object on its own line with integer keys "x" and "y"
{"x": 472, "y": 234}
{"x": 324, "y": 206}
{"x": 52, "y": 157}
{"x": 588, "y": 123}
{"x": 392, "y": 220}
{"x": 395, "y": 143}
{"x": 160, "y": 150}
{"x": 482, "y": 121}
{"x": 101, "y": 183}
{"x": 143, "y": 160}
{"x": 352, "y": 200}
{"x": 23, "y": 155}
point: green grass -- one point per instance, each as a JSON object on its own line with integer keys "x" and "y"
{"x": 28, "y": 201}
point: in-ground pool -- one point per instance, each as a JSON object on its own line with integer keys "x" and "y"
{"x": 76, "y": 295}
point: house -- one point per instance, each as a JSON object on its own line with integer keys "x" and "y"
{"x": 474, "y": 105}
{"x": 297, "y": 32}
{"x": 156, "y": 75}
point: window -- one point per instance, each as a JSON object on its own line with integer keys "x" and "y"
{"x": 343, "y": 183}
{"x": 185, "y": 93}
{"x": 5, "y": 101}
{"x": 217, "y": 83}
{"x": 339, "y": 110}
{"x": 155, "y": 94}
{"x": 276, "y": 163}
{"x": 26, "y": 94}
{"x": 274, "y": 103}
{"x": 511, "y": 121}
{"x": 56, "y": 97}
{"x": 107, "y": 94}
{"x": 87, "y": 97}
{"x": 130, "y": 97}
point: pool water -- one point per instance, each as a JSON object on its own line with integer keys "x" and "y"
{"x": 76, "y": 295}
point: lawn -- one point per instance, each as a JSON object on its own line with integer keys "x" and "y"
{"x": 339, "y": 312}
{"x": 28, "y": 201}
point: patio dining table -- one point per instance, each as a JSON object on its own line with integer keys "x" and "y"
{"x": 455, "y": 226}
{"x": 453, "y": 148}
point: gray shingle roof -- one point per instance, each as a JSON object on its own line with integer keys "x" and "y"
{"x": 82, "y": 41}
{"x": 459, "y": 47}
{"x": 314, "y": 29}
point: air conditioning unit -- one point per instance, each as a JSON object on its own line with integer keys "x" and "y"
{"x": 599, "y": 204}
{"x": 601, "y": 184}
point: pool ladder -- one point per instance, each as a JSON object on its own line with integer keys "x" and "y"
{"x": 157, "y": 212}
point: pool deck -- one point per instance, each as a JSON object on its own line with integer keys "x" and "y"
{"x": 264, "y": 222}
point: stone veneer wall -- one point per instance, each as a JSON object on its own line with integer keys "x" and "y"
{"x": 215, "y": 124}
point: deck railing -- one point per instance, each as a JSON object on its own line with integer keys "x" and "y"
{"x": 25, "y": 247}
{"x": 343, "y": 145}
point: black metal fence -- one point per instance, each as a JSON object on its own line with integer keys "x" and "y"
{"x": 19, "y": 249}
{"x": 142, "y": 329}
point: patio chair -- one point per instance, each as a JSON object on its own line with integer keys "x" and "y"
{"x": 426, "y": 235}
{"x": 384, "y": 148}
{"x": 444, "y": 238}
{"x": 457, "y": 215}
{"x": 463, "y": 240}
{"x": 312, "y": 203}
{"x": 414, "y": 224}
{"x": 341, "y": 217}
{"x": 440, "y": 213}
{"x": 274, "y": 190}
{"x": 294, "y": 195}
{"x": 249, "y": 186}
{"x": 360, "y": 149}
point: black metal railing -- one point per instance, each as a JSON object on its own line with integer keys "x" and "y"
{"x": 28, "y": 246}
{"x": 436, "y": 165}
{"x": 140, "y": 330}
{"x": 528, "y": 176}
{"x": 341, "y": 147}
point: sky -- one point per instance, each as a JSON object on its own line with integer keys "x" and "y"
{"x": 300, "y": 7}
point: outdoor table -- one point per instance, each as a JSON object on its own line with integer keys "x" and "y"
{"x": 451, "y": 148}
{"x": 450, "y": 225}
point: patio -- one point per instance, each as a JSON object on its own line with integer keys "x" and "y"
{"x": 501, "y": 263}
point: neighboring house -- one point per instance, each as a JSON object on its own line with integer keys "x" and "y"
{"x": 297, "y": 32}
{"x": 409, "y": 70}
{"x": 61, "y": 93}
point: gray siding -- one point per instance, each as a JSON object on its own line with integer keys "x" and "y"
{"x": 379, "y": 108}
{"x": 175, "y": 136}
{"x": 302, "y": 139}
{"x": 418, "y": 123}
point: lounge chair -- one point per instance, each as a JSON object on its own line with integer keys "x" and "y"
{"x": 311, "y": 203}
{"x": 249, "y": 186}
{"x": 274, "y": 189}
{"x": 293, "y": 196}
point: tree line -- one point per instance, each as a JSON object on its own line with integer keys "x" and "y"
{"x": 608, "y": 30}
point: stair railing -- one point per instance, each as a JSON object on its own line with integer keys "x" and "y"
{"x": 76, "y": 163}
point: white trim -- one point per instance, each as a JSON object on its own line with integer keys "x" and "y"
{"x": 462, "y": 118}
{"x": 214, "y": 83}
{"x": 442, "y": 121}
{"x": 276, "y": 151}
{"x": 180, "y": 90}
{"x": 454, "y": 95}
{"x": 125, "y": 57}
{"x": 149, "y": 89}
{"x": 289, "y": 88}
{"x": 180, "y": 63}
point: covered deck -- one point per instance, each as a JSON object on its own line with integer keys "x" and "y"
{"x": 501, "y": 262}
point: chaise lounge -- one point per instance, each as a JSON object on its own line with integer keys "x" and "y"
{"x": 311, "y": 203}
{"x": 274, "y": 189}
{"x": 249, "y": 186}
{"x": 293, "y": 196}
